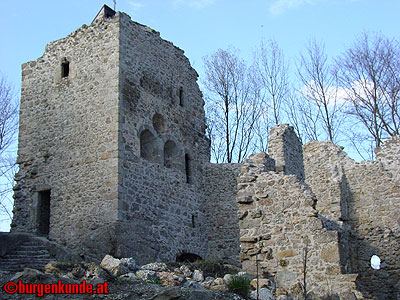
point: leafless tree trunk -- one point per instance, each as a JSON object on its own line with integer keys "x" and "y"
{"x": 8, "y": 129}
{"x": 320, "y": 92}
{"x": 232, "y": 106}
{"x": 370, "y": 72}
{"x": 273, "y": 71}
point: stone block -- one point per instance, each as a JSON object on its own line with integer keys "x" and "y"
{"x": 286, "y": 253}
{"x": 330, "y": 254}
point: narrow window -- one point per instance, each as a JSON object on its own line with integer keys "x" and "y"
{"x": 193, "y": 225}
{"x": 188, "y": 169}
{"x": 181, "y": 96}
{"x": 44, "y": 212}
{"x": 65, "y": 68}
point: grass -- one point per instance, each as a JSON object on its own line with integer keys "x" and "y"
{"x": 239, "y": 285}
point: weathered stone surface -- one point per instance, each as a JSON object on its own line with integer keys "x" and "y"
{"x": 27, "y": 275}
{"x": 286, "y": 253}
{"x": 168, "y": 294}
{"x": 193, "y": 284}
{"x": 130, "y": 263}
{"x": 114, "y": 265}
{"x": 262, "y": 283}
{"x": 185, "y": 271}
{"x": 146, "y": 274}
{"x": 330, "y": 254}
{"x": 263, "y": 294}
{"x": 227, "y": 278}
{"x": 198, "y": 275}
{"x": 157, "y": 267}
{"x": 129, "y": 276}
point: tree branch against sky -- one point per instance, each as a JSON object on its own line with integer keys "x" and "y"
{"x": 273, "y": 71}
{"x": 8, "y": 130}
{"x": 320, "y": 90}
{"x": 232, "y": 104}
{"x": 370, "y": 72}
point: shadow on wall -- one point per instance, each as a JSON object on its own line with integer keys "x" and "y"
{"x": 356, "y": 250}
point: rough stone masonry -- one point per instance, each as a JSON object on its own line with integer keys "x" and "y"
{"x": 113, "y": 159}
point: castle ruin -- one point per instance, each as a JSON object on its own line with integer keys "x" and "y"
{"x": 113, "y": 159}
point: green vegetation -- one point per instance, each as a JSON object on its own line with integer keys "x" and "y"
{"x": 155, "y": 280}
{"x": 239, "y": 285}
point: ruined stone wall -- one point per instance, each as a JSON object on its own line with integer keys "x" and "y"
{"x": 388, "y": 155}
{"x": 285, "y": 149}
{"x": 374, "y": 207}
{"x": 68, "y": 138}
{"x": 162, "y": 149}
{"x": 280, "y": 227}
{"x": 220, "y": 186}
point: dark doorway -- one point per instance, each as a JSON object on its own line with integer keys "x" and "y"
{"x": 65, "y": 69}
{"x": 188, "y": 258}
{"x": 44, "y": 212}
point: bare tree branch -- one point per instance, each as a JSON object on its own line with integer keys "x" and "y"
{"x": 8, "y": 130}
{"x": 370, "y": 72}
{"x": 232, "y": 106}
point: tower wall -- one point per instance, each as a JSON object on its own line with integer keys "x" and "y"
{"x": 162, "y": 149}
{"x": 68, "y": 139}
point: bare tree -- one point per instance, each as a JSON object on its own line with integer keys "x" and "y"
{"x": 8, "y": 129}
{"x": 370, "y": 72}
{"x": 322, "y": 110}
{"x": 232, "y": 106}
{"x": 303, "y": 116}
{"x": 273, "y": 71}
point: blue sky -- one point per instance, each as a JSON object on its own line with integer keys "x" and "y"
{"x": 199, "y": 27}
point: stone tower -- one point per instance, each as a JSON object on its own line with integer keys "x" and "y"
{"x": 112, "y": 144}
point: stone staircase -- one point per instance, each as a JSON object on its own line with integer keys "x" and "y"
{"x": 29, "y": 254}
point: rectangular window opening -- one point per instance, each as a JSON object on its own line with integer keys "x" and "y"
{"x": 193, "y": 224}
{"x": 181, "y": 96}
{"x": 65, "y": 69}
{"x": 188, "y": 169}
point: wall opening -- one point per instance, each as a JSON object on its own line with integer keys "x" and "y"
{"x": 171, "y": 155}
{"x": 44, "y": 212}
{"x": 188, "y": 169}
{"x": 193, "y": 223}
{"x": 148, "y": 146}
{"x": 188, "y": 257}
{"x": 181, "y": 96}
{"x": 65, "y": 68}
{"x": 375, "y": 262}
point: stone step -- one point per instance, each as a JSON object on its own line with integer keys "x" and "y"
{"x": 27, "y": 260}
{"x": 31, "y": 248}
{"x": 10, "y": 266}
{"x": 29, "y": 254}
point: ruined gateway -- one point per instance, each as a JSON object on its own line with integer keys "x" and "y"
{"x": 114, "y": 160}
